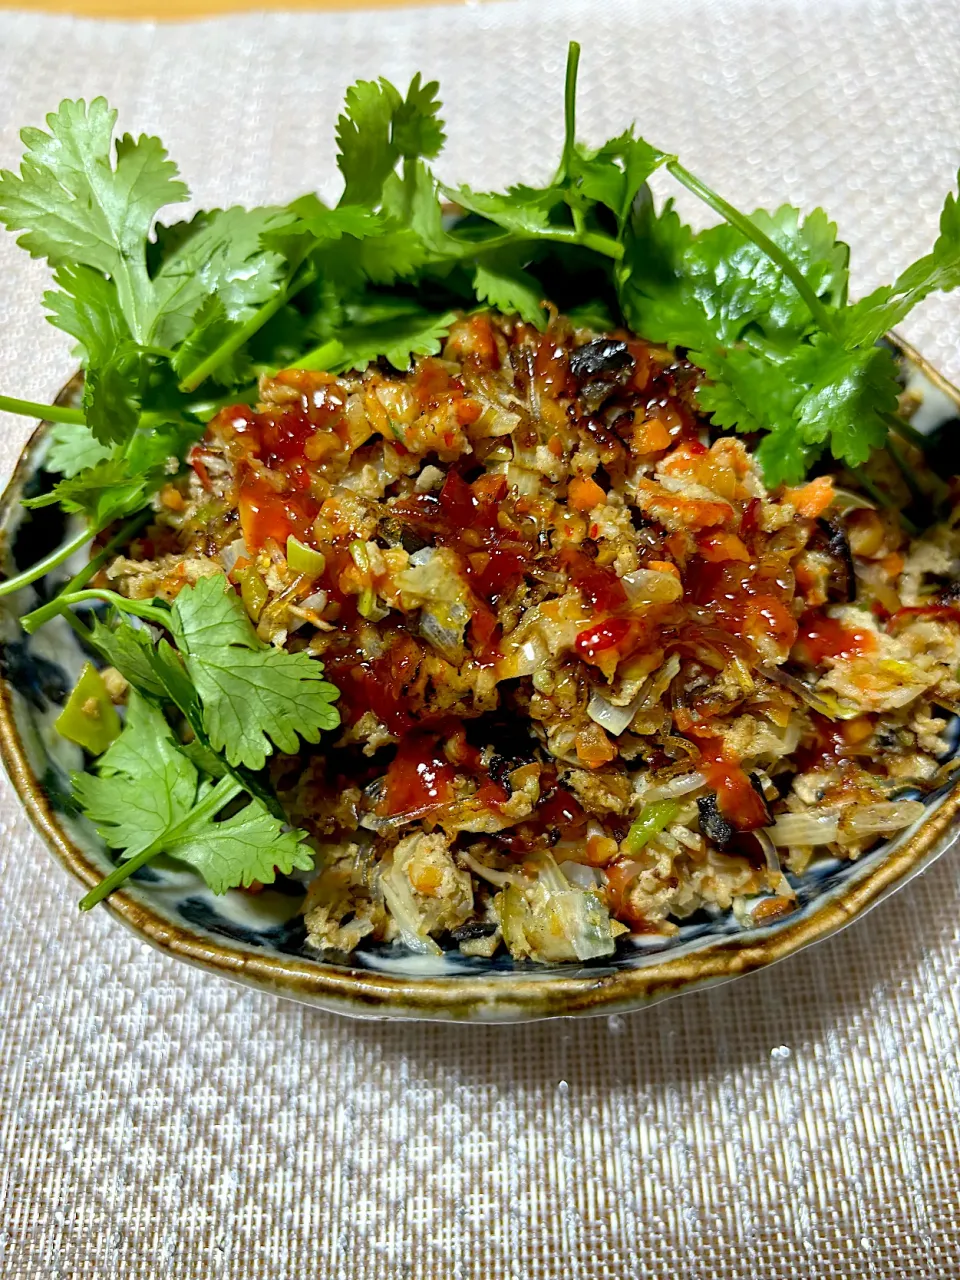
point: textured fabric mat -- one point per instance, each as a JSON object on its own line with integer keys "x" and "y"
{"x": 156, "y": 1122}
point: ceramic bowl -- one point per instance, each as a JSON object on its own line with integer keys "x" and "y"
{"x": 259, "y": 940}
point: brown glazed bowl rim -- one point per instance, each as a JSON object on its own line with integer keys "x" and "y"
{"x": 524, "y": 994}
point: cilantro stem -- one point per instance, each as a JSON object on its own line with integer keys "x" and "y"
{"x": 46, "y": 412}
{"x": 49, "y": 562}
{"x": 750, "y": 229}
{"x": 225, "y": 790}
{"x": 569, "y": 108}
{"x": 599, "y": 243}
{"x": 885, "y": 501}
{"x": 906, "y": 471}
{"x": 321, "y": 357}
{"x": 246, "y": 331}
{"x": 61, "y": 604}
{"x": 204, "y": 410}
{"x": 906, "y": 431}
{"x": 31, "y": 621}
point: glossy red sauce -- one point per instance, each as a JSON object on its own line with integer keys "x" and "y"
{"x": 744, "y": 599}
{"x": 467, "y": 519}
{"x": 737, "y": 799}
{"x": 832, "y": 741}
{"x": 608, "y": 634}
{"x": 264, "y": 513}
{"x": 278, "y": 439}
{"x": 419, "y": 778}
{"x": 562, "y": 810}
{"x": 380, "y": 685}
{"x": 938, "y": 612}
{"x": 823, "y": 637}
{"x": 598, "y": 584}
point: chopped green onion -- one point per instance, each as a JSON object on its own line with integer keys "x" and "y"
{"x": 253, "y": 592}
{"x": 89, "y": 718}
{"x": 304, "y": 559}
{"x": 652, "y": 820}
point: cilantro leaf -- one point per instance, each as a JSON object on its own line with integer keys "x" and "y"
{"x": 113, "y": 393}
{"x": 849, "y": 392}
{"x": 147, "y": 798}
{"x": 73, "y": 448}
{"x": 868, "y": 320}
{"x": 378, "y": 128}
{"x": 250, "y": 846}
{"x": 130, "y": 650}
{"x": 366, "y": 150}
{"x": 613, "y": 174}
{"x": 417, "y": 127}
{"x": 86, "y": 306}
{"x": 398, "y": 339}
{"x": 219, "y": 254}
{"x": 143, "y": 786}
{"x": 501, "y": 281}
{"x": 654, "y": 301}
{"x": 413, "y": 201}
{"x": 520, "y": 209}
{"x": 103, "y": 492}
{"x": 252, "y": 694}
{"x": 211, "y": 329}
{"x": 76, "y": 207}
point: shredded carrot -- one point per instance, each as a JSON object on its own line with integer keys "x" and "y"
{"x": 716, "y": 547}
{"x": 172, "y": 498}
{"x": 812, "y": 499}
{"x": 583, "y": 494}
{"x": 893, "y": 564}
{"x": 651, "y": 436}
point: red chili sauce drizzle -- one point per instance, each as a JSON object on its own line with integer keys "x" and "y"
{"x": 737, "y": 798}
{"x": 419, "y": 778}
{"x": 277, "y": 438}
{"x": 823, "y": 637}
{"x": 743, "y": 599}
{"x": 466, "y": 518}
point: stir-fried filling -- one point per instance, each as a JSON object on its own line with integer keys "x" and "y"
{"x": 594, "y": 676}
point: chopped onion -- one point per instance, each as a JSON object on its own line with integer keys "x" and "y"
{"x": 769, "y": 851}
{"x": 526, "y": 483}
{"x": 316, "y": 602}
{"x": 447, "y": 640}
{"x": 804, "y": 829}
{"x": 403, "y": 907}
{"x": 830, "y": 707}
{"x": 845, "y": 500}
{"x": 526, "y": 660}
{"x": 607, "y": 716}
{"x": 651, "y": 586}
{"x": 681, "y": 786}
{"x": 496, "y": 422}
{"x": 886, "y": 815}
{"x": 582, "y": 876}
{"x": 231, "y": 553}
{"x": 430, "y": 478}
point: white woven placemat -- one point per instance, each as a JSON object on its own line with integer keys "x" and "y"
{"x": 155, "y": 1122}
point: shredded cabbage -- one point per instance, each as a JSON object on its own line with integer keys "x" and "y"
{"x": 550, "y": 920}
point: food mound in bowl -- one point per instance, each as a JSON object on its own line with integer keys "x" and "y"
{"x": 593, "y": 676}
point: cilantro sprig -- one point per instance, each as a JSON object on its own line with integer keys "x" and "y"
{"x": 147, "y": 797}
{"x": 239, "y": 698}
{"x": 758, "y": 302}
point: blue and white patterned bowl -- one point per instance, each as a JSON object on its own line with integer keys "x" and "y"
{"x": 259, "y": 939}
